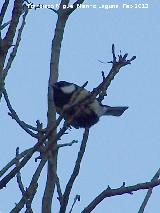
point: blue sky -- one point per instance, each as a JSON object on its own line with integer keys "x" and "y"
{"x": 119, "y": 149}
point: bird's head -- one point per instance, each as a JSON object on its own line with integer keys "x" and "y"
{"x": 65, "y": 87}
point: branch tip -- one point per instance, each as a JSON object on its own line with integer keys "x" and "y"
{"x": 103, "y": 75}
{"x": 113, "y": 53}
{"x": 108, "y": 187}
{"x": 123, "y": 184}
{"x": 55, "y": 11}
{"x": 125, "y": 56}
{"x": 133, "y": 58}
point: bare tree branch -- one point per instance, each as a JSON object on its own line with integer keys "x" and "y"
{"x": 75, "y": 172}
{"x": 3, "y": 11}
{"x": 14, "y": 115}
{"x": 77, "y": 198}
{"x": 59, "y": 191}
{"x": 119, "y": 191}
{"x": 4, "y": 25}
{"x": 16, "y": 13}
{"x": 52, "y": 164}
{"x": 103, "y": 93}
{"x": 31, "y": 191}
{"x": 55, "y": 11}
{"x": 6, "y": 43}
{"x": 2, "y": 14}
{"x": 19, "y": 179}
{"x": 13, "y": 172}
{"x": 22, "y": 189}
{"x": 116, "y": 66}
{"x": 15, "y": 48}
{"x": 29, "y": 208}
{"x": 48, "y": 193}
{"x": 52, "y": 167}
{"x": 67, "y": 144}
{"x": 13, "y": 161}
{"x": 149, "y": 193}
{"x": 28, "y": 156}
{"x": 8, "y": 177}
{"x": 51, "y": 115}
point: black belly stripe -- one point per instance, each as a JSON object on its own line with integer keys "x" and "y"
{"x": 83, "y": 119}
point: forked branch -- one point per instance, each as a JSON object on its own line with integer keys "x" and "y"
{"x": 119, "y": 191}
{"x": 65, "y": 197}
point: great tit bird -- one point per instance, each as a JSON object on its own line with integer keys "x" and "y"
{"x": 66, "y": 93}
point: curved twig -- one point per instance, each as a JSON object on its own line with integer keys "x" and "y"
{"x": 75, "y": 172}
{"x": 119, "y": 191}
{"x": 14, "y": 115}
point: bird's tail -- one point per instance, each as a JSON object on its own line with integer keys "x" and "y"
{"x": 115, "y": 111}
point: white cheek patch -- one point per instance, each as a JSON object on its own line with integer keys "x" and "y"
{"x": 97, "y": 108}
{"x": 68, "y": 89}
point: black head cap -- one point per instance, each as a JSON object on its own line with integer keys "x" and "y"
{"x": 62, "y": 93}
{"x": 62, "y": 84}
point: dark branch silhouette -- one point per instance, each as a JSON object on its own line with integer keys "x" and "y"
{"x": 14, "y": 115}
{"x": 119, "y": 191}
{"x": 149, "y": 193}
{"x": 75, "y": 172}
{"x": 7, "y": 41}
{"x": 46, "y": 139}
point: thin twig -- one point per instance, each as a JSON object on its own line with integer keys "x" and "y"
{"x": 14, "y": 115}
{"x": 67, "y": 144}
{"x": 4, "y": 25}
{"x": 77, "y": 198}
{"x": 149, "y": 193}
{"x": 119, "y": 191}
{"x": 31, "y": 190}
{"x": 15, "y": 48}
{"x": 34, "y": 128}
{"x": 16, "y": 13}
{"x": 103, "y": 93}
{"x": 55, "y": 11}
{"x": 7, "y": 41}
{"x": 14, "y": 171}
{"x": 13, "y": 161}
{"x": 29, "y": 209}
{"x": 3, "y": 11}
{"x": 116, "y": 66}
{"x": 19, "y": 179}
{"x": 28, "y": 156}
{"x": 59, "y": 191}
{"x": 75, "y": 172}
